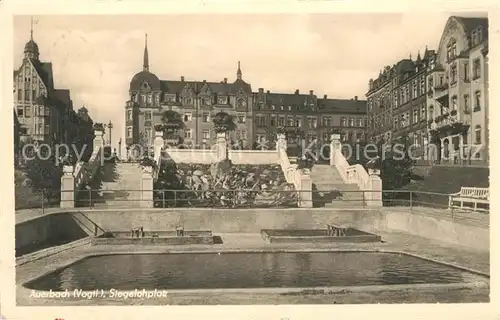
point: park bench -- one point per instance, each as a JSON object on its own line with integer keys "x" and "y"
{"x": 470, "y": 195}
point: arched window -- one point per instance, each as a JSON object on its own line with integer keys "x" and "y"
{"x": 477, "y": 131}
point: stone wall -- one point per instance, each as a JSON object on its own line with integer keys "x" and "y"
{"x": 56, "y": 226}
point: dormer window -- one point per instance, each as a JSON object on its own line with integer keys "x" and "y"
{"x": 222, "y": 100}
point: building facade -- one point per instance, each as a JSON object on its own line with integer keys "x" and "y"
{"x": 257, "y": 114}
{"x": 457, "y": 102}
{"x": 196, "y": 101}
{"x": 397, "y": 102}
{"x": 440, "y": 100}
{"x": 43, "y": 113}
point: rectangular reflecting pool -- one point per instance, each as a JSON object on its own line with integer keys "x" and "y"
{"x": 248, "y": 270}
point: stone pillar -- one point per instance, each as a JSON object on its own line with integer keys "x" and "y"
{"x": 305, "y": 196}
{"x": 158, "y": 143}
{"x": 147, "y": 187}
{"x": 373, "y": 198}
{"x": 281, "y": 142}
{"x": 335, "y": 145}
{"x": 67, "y": 188}
{"x": 98, "y": 139}
{"x": 221, "y": 146}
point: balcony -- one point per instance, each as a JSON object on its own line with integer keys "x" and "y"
{"x": 441, "y": 87}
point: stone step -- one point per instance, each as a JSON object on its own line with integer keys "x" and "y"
{"x": 344, "y": 204}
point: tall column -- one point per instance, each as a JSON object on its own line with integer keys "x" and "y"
{"x": 335, "y": 146}
{"x": 67, "y": 188}
{"x": 373, "y": 198}
{"x": 221, "y": 146}
{"x": 98, "y": 139}
{"x": 158, "y": 143}
{"x": 281, "y": 142}
{"x": 147, "y": 187}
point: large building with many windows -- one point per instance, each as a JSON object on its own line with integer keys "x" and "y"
{"x": 440, "y": 99}
{"x": 44, "y": 113}
{"x": 257, "y": 114}
{"x": 457, "y": 101}
{"x": 397, "y": 101}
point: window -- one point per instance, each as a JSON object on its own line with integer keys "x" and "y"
{"x": 273, "y": 107}
{"x": 19, "y": 94}
{"x": 396, "y": 123}
{"x": 157, "y": 98}
{"x": 359, "y": 122}
{"x": 205, "y": 134}
{"x": 27, "y": 112}
{"x": 148, "y": 133}
{"x": 327, "y": 121}
{"x": 281, "y": 121}
{"x": 243, "y": 134}
{"x": 129, "y": 115}
{"x": 395, "y": 98}
{"x": 206, "y": 117}
{"x": 431, "y": 112}
{"x": 415, "y": 116}
{"x": 407, "y": 93}
{"x": 466, "y": 103}
{"x": 351, "y": 122}
{"x": 273, "y": 120}
{"x": 314, "y": 122}
{"x": 466, "y": 71}
{"x": 476, "y": 69}
{"x": 343, "y": 122}
{"x": 206, "y": 101}
{"x": 454, "y": 103}
{"x": 477, "y": 106}
{"x": 422, "y": 86}
{"x": 290, "y": 121}
{"x": 422, "y": 113}
{"x": 147, "y": 115}
{"x": 188, "y": 100}
{"x": 170, "y": 97}
{"x": 241, "y": 118}
{"x": 415, "y": 88}
{"x": 129, "y": 132}
{"x": 298, "y": 122}
{"x": 143, "y": 98}
{"x": 20, "y": 111}
{"x": 188, "y": 134}
{"x": 478, "y": 134}
{"x": 187, "y": 116}
{"x": 453, "y": 73}
{"x": 431, "y": 82}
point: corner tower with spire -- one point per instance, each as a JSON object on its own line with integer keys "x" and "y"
{"x": 31, "y": 48}
{"x": 145, "y": 66}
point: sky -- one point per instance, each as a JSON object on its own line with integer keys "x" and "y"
{"x": 334, "y": 54}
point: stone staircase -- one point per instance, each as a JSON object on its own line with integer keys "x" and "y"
{"x": 121, "y": 184}
{"x": 331, "y": 191}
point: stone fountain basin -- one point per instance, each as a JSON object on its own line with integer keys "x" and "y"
{"x": 155, "y": 237}
{"x": 317, "y": 236}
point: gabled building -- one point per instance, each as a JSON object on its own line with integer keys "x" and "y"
{"x": 196, "y": 101}
{"x": 458, "y": 93}
{"x": 257, "y": 114}
{"x": 41, "y": 109}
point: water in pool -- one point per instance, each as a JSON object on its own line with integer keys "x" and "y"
{"x": 247, "y": 270}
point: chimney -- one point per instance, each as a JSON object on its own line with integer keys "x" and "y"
{"x": 356, "y": 98}
{"x": 325, "y": 96}
{"x": 182, "y": 78}
{"x": 297, "y": 91}
{"x": 204, "y": 81}
{"x": 225, "y": 80}
{"x": 311, "y": 92}
{"x": 268, "y": 91}
{"x": 261, "y": 90}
